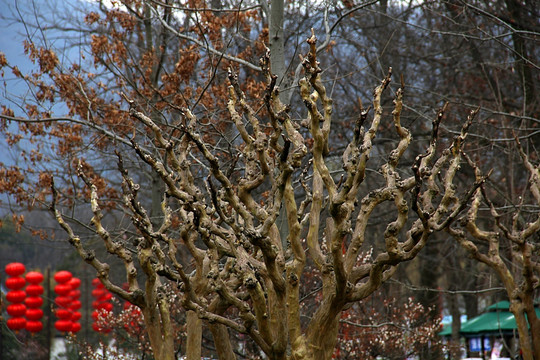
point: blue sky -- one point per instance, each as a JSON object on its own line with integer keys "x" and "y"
{"x": 11, "y": 40}
{"x": 13, "y": 33}
{"x": 11, "y": 44}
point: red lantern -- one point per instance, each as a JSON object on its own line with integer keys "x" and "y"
{"x": 62, "y": 289}
{"x": 15, "y": 283}
{"x": 76, "y": 316}
{"x": 63, "y": 314}
{"x": 105, "y": 297}
{"x": 75, "y": 327}
{"x": 34, "y": 314}
{"x": 97, "y": 283}
{"x": 16, "y": 324}
{"x": 75, "y": 294}
{"x": 75, "y": 283}
{"x": 16, "y": 310}
{"x": 33, "y": 302}
{"x": 75, "y": 305}
{"x": 34, "y": 277}
{"x": 34, "y": 326}
{"x": 98, "y": 292}
{"x": 62, "y": 277}
{"x": 106, "y": 306}
{"x": 15, "y": 269}
{"x": 62, "y": 301}
{"x": 34, "y": 290}
{"x": 63, "y": 325}
{"x": 15, "y": 296}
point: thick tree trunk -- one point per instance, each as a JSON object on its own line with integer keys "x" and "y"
{"x": 323, "y": 332}
{"x": 277, "y": 45}
{"x": 454, "y": 280}
{"x": 156, "y": 197}
{"x": 534, "y": 326}
{"x": 521, "y": 55}
{"x": 429, "y": 276}
{"x": 156, "y": 311}
{"x": 456, "y": 325}
{"x": 194, "y": 336}
{"x": 161, "y": 341}
{"x": 535, "y": 334}
{"x": 523, "y": 330}
{"x": 222, "y": 342}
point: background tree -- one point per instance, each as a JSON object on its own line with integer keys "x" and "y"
{"x": 478, "y": 51}
{"x": 511, "y": 248}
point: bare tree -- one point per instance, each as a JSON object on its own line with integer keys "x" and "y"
{"x": 178, "y": 156}
{"x": 509, "y": 244}
{"x": 225, "y": 218}
{"x": 242, "y": 263}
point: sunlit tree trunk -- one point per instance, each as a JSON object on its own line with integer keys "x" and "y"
{"x": 322, "y": 334}
{"x": 194, "y": 336}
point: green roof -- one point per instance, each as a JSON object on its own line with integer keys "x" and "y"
{"x": 446, "y": 331}
{"x": 501, "y": 305}
{"x": 497, "y": 319}
{"x": 493, "y": 321}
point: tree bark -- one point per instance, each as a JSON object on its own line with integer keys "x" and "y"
{"x": 222, "y": 342}
{"x": 323, "y": 331}
{"x": 429, "y": 276}
{"x": 161, "y": 341}
{"x": 516, "y": 307}
{"x": 194, "y": 336}
{"x": 453, "y": 302}
{"x": 522, "y": 56}
{"x": 277, "y": 46}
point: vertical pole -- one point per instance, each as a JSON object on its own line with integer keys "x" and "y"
{"x": 86, "y": 306}
{"x": 482, "y": 339}
{"x": 48, "y": 313}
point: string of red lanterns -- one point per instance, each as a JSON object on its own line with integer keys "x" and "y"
{"x": 102, "y": 306}
{"x": 34, "y": 301}
{"x": 67, "y": 302}
{"x": 15, "y": 282}
{"x": 62, "y": 301}
{"x": 75, "y": 304}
